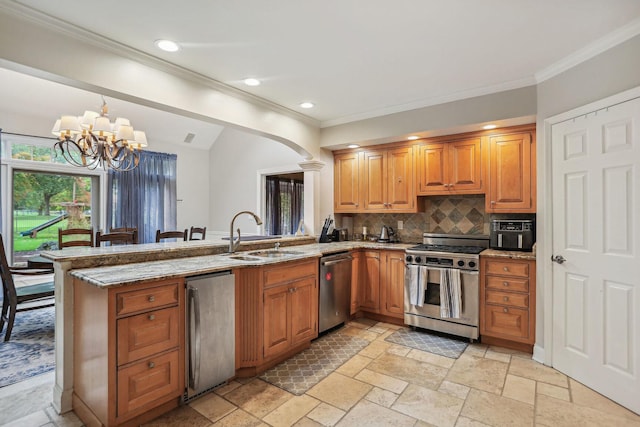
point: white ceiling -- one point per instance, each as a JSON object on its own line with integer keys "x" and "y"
{"x": 353, "y": 58}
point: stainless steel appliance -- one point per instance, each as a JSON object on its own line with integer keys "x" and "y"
{"x": 210, "y": 332}
{"x": 335, "y": 290}
{"x": 384, "y": 234}
{"x": 513, "y": 234}
{"x": 443, "y": 251}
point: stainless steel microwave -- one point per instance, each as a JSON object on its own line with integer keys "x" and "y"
{"x": 512, "y": 234}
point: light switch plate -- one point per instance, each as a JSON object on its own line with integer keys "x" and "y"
{"x": 400, "y": 225}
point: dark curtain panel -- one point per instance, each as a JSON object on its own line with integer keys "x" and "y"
{"x": 1, "y": 195}
{"x": 144, "y": 197}
{"x": 285, "y": 205}
{"x": 273, "y": 206}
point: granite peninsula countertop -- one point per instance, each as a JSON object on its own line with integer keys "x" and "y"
{"x": 494, "y": 253}
{"x": 183, "y": 266}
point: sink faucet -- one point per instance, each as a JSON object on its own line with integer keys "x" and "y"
{"x": 233, "y": 243}
{"x": 277, "y": 246}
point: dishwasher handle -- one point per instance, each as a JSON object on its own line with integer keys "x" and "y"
{"x": 336, "y": 261}
{"x": 194, "y": 348}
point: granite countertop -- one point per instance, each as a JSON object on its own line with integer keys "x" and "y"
{"x": 182, "y": 266}
{"x": 494, "y": 253}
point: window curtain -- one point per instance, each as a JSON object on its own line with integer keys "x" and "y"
{"x": 285, "y": 205}
{"x": 144, "y": 197}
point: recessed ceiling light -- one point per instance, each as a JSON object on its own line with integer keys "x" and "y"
{"x": 413, "y": 137}
{"x": 353, "y": 146}
{"x": 252, "y": 82}
{"x": 307, "y": 105}
{"x": 487, "y": 127}
{"x": 167, "y": 45}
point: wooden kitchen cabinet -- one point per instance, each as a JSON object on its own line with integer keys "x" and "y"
{"x": 512, "y": 173}
{"x": 347, "y": 174}
{"x": 382, "y": 283}
{"x": 356, "y": 297}
{"x": 507, "y": 302}
{"x": 276, "y": 313}
{"x": 392, "y": 283}
{"x": 375, "y": 181}
{"x": 128, "y": 351}
{"x": 450, "y": 167}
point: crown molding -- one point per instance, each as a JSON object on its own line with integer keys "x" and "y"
{"x": 429, "y": 102}
{"x": 591, "y": 50}
{"x": 46, "y": 21}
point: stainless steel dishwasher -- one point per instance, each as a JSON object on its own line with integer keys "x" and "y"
{"x": 210, "y": 332}
{"x": 335, "y": 290}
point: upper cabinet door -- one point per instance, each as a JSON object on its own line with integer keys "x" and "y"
{"x": 401, "y": 194}
{"x": 433, "y": 168}
{"x": 450, "y": 167}
{"x": 511, "y": 173}
{"x": 465, "y": 161}
{"x": 375, "y": 180}
{"x": 347, "y": 192}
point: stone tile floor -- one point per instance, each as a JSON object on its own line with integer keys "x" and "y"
{"x": 385, "y": 385}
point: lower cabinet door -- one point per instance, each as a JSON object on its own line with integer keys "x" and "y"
{"x": 276, "y": 325}
{"x": 146, "y": 334}
{"x": 148, "y": 380}
{"x": 512, "y": 323}
{"x": 304, "y": 311}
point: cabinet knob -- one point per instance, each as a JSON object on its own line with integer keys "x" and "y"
{"x": 506, "y": 310}
{"x": 505, "y": 283}
{"x": 152, "y": 365}
{"x": 152, "y": 317}
{"x": 151, "y": 298}
{"x": 506, "y": 268}
{"x": 356, "y": 205}
{"x": 506, "y": 298}
{"x": 493, "y": 202}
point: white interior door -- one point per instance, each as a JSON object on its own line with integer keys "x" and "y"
{"x": 596, "y": 228}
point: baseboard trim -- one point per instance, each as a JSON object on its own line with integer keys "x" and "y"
{"x": 538, "y": 355}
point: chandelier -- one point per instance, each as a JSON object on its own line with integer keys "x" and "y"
{"x": 92, "y": 141}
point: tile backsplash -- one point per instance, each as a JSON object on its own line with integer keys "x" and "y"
{"x": 463, "y": 214}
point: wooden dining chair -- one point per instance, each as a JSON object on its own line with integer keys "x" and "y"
{"x": 197, "y": 233}
{"x": 38, "y": 296}
{"x": 133, "y": 230}
{"x": 161, "y": 235}
{"x": 75, "y": 237}
{"x": 116, "y": 238}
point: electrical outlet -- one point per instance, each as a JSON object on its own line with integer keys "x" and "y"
{"x": 400, "y": 225}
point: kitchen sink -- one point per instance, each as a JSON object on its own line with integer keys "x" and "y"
{"x": 274, "y": 253}
{"x": 244, "y": 258}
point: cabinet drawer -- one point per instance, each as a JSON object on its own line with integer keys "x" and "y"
{"x": 507, "y": 268}
{"x": 148, "y": 380}
{"x": 288, "y": 272}
{"x": 507, "y": 284}
{"x": 507, "y": 321}
{"x": 146, "y": 334}
{"x": 147, "y": 299}
{"x": 507, "y": 298}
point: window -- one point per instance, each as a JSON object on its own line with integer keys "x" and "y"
{"x": 284, "y": 203}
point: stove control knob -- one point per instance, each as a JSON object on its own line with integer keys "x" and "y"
{"x": 460, "y": 263}
{"x": 418, "y": 260}
{"x": 409, "y": 258}
{"x": 472, "y": 264}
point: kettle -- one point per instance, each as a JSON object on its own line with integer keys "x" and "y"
{"x": 384, "y": 235}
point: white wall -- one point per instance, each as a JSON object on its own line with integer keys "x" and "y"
{"x": 235, "y": 159}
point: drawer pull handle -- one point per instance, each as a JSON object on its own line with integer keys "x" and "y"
{"x": 153, "y": 316}
{"x": 505, "y": 283}
{"x": 506, "y": 298}
{"x": 152, "y": 365}
{"x": 506, "y": 268}
{"x": 506, "y": 310}
{"x": 151, "y": 298}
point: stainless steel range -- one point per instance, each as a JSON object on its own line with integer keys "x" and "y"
{"x": 439, "y": 258}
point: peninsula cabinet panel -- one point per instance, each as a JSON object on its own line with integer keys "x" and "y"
{"x": 128, "y": 351}
{"x": 450, "y": 167}
{"x": 512, "y": 170}
{"x": 347, "y": 173}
